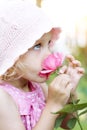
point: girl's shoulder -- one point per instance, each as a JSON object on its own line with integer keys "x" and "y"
{"x": 4, "y": 95}
{"x": 10, "y": 91}
{"x": 5, "y": 101}
{"x": 7, "y": 88}
{"x": 8, "y": 112}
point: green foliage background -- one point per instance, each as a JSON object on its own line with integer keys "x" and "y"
{"x": 81, "y": 54}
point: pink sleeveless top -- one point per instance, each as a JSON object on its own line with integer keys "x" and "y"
{"x": 30, "y": 104}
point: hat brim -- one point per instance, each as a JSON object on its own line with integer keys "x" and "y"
{"x": 25, "y": 37}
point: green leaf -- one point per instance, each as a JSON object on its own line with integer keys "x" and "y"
{"x": 83, "y": 112}
{"x": 59, "y": 121}
{"x": 76, "y": 102}
{"x": 70, "y": 108}
{"x": 71, "y": 123}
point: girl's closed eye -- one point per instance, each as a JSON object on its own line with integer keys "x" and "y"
{"x": 49, "y": 42}
{"x": 37, "y": 46}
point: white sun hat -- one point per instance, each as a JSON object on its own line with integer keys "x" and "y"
{"x": 21, "y": 24}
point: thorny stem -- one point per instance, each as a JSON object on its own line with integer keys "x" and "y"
{"x": 77, "y": 116}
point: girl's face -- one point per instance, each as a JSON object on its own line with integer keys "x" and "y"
{"x": 33, "y": 58}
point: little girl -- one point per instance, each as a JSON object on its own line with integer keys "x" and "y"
{"x": 26, "y": 41}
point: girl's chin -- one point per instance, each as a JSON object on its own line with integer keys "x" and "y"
{"x": 44, "y": 79}
{"x": 39, "y": 79}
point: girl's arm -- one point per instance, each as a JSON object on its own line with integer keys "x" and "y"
{"x": 9, "y": 116}
{"x": 47, "y": 119}
{"x": 58, "y": 95}
{"x": 64, "y": 123}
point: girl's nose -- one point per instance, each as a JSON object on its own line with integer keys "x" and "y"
{"x": 47, "y": 52}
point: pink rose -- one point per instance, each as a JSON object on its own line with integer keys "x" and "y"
{"x": 51, "y": 63}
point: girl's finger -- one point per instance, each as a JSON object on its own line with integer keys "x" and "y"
{"x": 81, "y": 70}
{"x": 76, "y": 63}
{"x": 70, "y": 58}
{"x": 63, "y": 69}
{"x": 73, "y": 62}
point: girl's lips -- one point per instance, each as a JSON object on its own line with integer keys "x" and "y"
{"x": 45, "y": 73}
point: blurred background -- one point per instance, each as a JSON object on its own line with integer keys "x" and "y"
{"x": 71, "y": 16}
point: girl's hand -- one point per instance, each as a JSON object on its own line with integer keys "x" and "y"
{"x": 74, "y": 70}
{"x": 59, "y": 92}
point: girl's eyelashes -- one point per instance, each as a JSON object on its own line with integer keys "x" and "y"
{"x": 49, "y": 41}
{"x": 37, "y": 46}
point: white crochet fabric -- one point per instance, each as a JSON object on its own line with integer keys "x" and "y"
{"x": 21, "y": 24}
